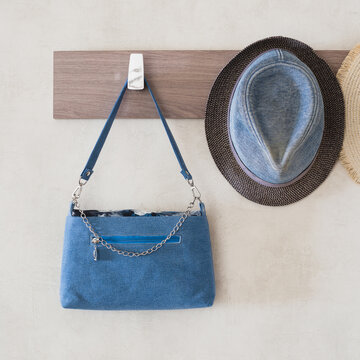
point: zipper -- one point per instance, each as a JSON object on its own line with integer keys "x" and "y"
{"x": 138, "y": 240}
{"x": 132, "y": 240}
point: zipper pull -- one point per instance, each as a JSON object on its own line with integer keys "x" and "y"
{"x": 95, "y": 253}
{"x": 95, "y": 241}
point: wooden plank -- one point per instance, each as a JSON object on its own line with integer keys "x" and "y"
{"x": 87, "y": 83}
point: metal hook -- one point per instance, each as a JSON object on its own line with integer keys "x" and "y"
{"x": 77, "y": 192}
{"x": 136, "y": 72}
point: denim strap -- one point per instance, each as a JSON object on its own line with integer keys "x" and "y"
{"x": 85, "y": 175}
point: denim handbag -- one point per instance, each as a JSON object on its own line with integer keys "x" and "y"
{"x": 124, "y": 260}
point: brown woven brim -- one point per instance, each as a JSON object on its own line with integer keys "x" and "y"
{"x": 216, "y": 125}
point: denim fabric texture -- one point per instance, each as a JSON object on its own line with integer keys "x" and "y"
{"x": 276, "y": 118}
{"x": 179, "y": 275}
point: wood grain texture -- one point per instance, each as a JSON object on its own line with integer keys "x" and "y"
{"x": 87, "y": 83}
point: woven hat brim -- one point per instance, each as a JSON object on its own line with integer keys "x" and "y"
{"x": 217, "y": 131}
{"x": 349, "y": 79}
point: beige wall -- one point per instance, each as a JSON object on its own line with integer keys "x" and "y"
{"x": 287, "y": 278}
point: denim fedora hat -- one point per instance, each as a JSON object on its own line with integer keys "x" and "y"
{"x": 275, "y": 121}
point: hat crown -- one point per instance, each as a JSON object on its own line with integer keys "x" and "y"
{"x": 276, "y": 117}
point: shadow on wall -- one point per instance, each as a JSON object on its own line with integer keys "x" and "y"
{"x": 260, "y": 260}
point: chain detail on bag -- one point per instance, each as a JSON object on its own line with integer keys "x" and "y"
{"x": 98, "y": 240}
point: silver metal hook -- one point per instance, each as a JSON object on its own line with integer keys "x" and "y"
{"x": 77, "y": 192}
{"x": 195, "y": 191}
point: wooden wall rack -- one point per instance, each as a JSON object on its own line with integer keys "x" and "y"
{"x": 87, "y": 83}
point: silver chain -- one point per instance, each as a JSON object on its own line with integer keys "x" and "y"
{"x": 98, "y": 240}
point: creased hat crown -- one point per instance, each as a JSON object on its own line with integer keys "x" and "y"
{"x": 276, "y": 118}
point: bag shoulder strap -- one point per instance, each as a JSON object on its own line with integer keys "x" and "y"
{"x": 88, "y": 170}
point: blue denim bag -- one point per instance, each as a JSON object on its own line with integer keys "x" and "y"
{"x": 123, "y": 260}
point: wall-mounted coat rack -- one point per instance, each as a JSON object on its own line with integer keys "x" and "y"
{"x": 87, "y": 83}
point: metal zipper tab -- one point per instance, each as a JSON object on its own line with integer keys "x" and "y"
{"x": 95, "y": 241}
